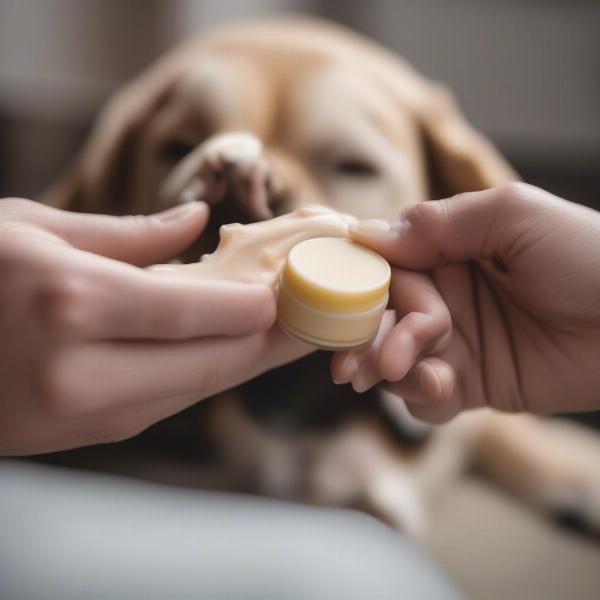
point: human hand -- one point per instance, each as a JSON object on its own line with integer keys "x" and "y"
{"x": 498, "y": 299}
{"x": 93, "y": 349}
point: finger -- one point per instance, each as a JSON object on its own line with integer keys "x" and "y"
{"x": 429, "y": 391}
{"x": 136, "y": 239}
{"x": 360, "y": 366}
{"x": 146, "y": 372}
{"x": 146, "y": 306}
{"x": 95, "y": 297}
{"x": 112, "y": 424}
{"x": 424, "y": 328}
{"x": 117, "y": 423}
{"x": 472, "y": 225}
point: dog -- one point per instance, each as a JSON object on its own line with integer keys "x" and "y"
{"x": 261, "y": 118}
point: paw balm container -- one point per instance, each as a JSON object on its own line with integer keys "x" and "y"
{"x": 332, "y": 293}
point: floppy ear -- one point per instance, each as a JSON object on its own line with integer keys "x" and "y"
{"x": 99, "y": 180}
{"x": 460, "y": 158}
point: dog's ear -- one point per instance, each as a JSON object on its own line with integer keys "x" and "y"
{"x": 98, "y": 180}
{"x": 460, "y": 159}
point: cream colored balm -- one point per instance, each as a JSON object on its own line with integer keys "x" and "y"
{"x": 333, "y": 293}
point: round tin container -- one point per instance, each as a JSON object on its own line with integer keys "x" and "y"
{"x": 333, "y": 293}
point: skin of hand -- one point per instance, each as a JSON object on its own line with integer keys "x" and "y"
{"x": 95, "y": 349}
{"x": 498, "y": 301}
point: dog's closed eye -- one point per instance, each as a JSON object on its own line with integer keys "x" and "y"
{"x": 175, "y": 150}
{"x": 354, "y": 167}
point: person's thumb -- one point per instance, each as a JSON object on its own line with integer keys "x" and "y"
{"x": 470, "y": 226}
{"x": 136, "y": 239}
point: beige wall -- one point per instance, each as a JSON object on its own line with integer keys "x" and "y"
{"x": 526, "y": 71}
{"x": 61, "y": 57}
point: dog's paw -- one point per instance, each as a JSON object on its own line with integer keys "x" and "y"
{"x": 235, "y": 163}
{"x": 396, "y": 500}
{"x": 228, "y": 164}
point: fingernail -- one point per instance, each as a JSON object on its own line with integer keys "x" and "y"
{"x": 430, "y": 383}
{"x": 347, "y": 370}
{"x": 180, "y": 212}
{"x": 362, "y": 381}
{"x": 372, "y": 226}
{"x": 375, "y": 228}
{"x": 405, "y": 346}
{"x": 350, "y": 368}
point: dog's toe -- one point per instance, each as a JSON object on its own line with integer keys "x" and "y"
{"x": 579, "y": 510}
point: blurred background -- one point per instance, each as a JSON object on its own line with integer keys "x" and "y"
{"x": 526, "y": 72}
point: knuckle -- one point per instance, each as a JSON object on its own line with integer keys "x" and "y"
{"x": 388, "y": 368}
{"x": 59, "y": 304}
{"x": 516, "y": 191}
{"x": 445, "y": 210}
{"x": 426, "y": 328}
{"x": 460, "y": 197}
{"x": 414, "y": 321}
{"x": 429, "y": 218}
{"x": 420, "y": 214}
{"x": 443, "y": 322}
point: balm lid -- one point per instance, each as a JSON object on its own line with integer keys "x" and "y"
{"x": 336, "y": 275}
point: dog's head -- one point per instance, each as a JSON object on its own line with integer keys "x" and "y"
{"x": 324, "y": 115}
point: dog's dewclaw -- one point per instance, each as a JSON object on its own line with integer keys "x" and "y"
{"x": 256, "y": 253}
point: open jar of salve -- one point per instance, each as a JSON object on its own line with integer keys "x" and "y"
{"x": 333, "y": 293}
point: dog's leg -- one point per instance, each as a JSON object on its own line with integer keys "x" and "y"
{"x": 552, "y": 464}
{"x": 359, "y": 467}
{"x": 362, "y": 466}
{"x": 448, "y": 453}
{"x": 269, "y": 463}
{"x": 444, "y": 452}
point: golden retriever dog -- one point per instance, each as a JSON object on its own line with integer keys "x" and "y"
{"x": 261, "y": 118}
